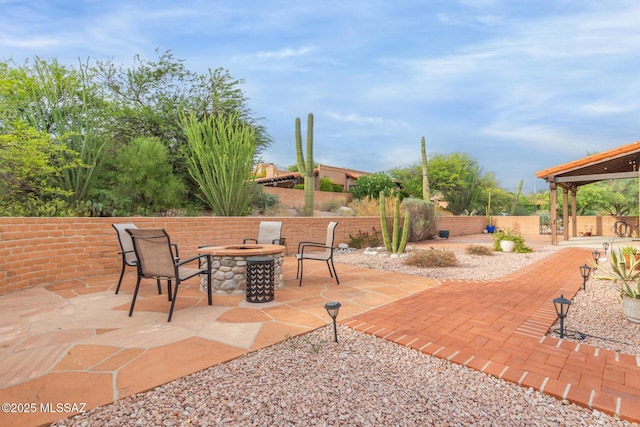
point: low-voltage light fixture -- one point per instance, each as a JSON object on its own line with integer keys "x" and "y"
{"x": 562, "y": 308}
{"x": 333, "y": 308}
{"x": 585, "y": 270}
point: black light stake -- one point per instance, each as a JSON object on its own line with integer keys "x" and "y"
{"x": 562, "y": 308}
{"x": 585, "y": 270}
{"x": 596, "y": 256}
{"x": 605, "y": 246}
{"x": 333, "y": 308}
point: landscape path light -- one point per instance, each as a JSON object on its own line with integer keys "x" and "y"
{"x": 562, "y": 308}
{"x": 585, "y": 270}
{"x": 333, "y": 308}
{"x": 605, "y": 246}
{"x": 596, "y": 255}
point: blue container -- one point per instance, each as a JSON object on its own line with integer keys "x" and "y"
{"x": 491, "y": 228}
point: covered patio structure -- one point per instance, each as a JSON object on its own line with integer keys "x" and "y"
{"x": 618, "y": 163}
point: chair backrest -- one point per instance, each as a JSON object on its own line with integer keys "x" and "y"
{"x": 331, "y": 233}
{"x": 153, "y": 249}
{"x": 126, "y": 244}
{"x": 269, "y": 231}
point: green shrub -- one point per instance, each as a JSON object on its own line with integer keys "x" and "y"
{"x": 545, "y": 217}
{"x": 329, "y": 206}
{"x": 261, "y": 201}
{"x": 365, "y": 207}
{"x": 431, "y": 258}
{"x": 327, "y": 185}
{"x": 145, "y": 179}
{"x": 365, "y": 239}
{"x": 478, "y": 250}
{"x": 371, "y": 185}
{"x": 508, "y": 234}
{"x": 423, "y": 218}
{"x": 628, "y": 250}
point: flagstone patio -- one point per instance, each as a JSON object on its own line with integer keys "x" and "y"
{"x": 73, "y": 342}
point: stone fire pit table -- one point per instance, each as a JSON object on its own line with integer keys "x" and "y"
{"x": 229, "y": 266}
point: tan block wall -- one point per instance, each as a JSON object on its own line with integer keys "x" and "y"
{"x": 294, "y": 198}
{"x": 464, "y": 225}
{"x": 526, "y": 225}
{"x": 601, "y": 225}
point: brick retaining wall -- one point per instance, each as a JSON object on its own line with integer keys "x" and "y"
{"x": 39, "y": 251}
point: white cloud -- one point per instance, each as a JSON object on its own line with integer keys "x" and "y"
{"x": 357, "y": 119}
{"x": 284, "y": 53}
{"x": 606, "y": 108}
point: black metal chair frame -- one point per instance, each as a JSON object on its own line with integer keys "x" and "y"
{"x": 177, "y": 276}
{"x": 132, "y": 262}
{"x": 328, "y": 259}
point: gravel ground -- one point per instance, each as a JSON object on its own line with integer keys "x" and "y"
{"x": 367, "y": 381}
{"x": 470, "y": 267}
{"x": 596, "y": 313}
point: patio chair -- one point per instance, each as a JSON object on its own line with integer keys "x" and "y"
{"x": 269, "y": 232}
{"x": 157, "y": 260}
{"x": 127, "y": 252}
{"x": 309, "y": 251}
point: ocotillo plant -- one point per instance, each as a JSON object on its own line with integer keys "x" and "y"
{"x": 306, "y": 168}
{"x": 393, "y": 245}
{"x": 426, "y": 192}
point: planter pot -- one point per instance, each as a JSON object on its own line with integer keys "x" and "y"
{"x": 507, "y": 245}
{"x": 628, "y": 260}
{"x": 491, "y": 228}
{"x": 631, "y": 308}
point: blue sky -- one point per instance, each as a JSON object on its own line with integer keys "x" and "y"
{"x": 520, "y": 85}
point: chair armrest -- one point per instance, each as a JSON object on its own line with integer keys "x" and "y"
{"x": 314, "y": 245}
{"x": 249, "y": 240}
{"x": 194, "y": 258}
{"x": 176, "y": 254}
{"x": 301, "y": 244}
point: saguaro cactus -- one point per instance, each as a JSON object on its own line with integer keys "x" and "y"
{"x": 516, "y": 196}
{"x": 393, "y": 244}
{"x": 306, "y": 167}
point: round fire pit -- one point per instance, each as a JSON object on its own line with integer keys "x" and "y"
{"x": 229, "y": 266}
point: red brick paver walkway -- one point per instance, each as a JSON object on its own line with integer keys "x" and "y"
{"x": 498, "y": 327}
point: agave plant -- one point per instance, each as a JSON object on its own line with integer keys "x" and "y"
{"x": 619, "y": 269}
{"x": 627, "y": 291}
